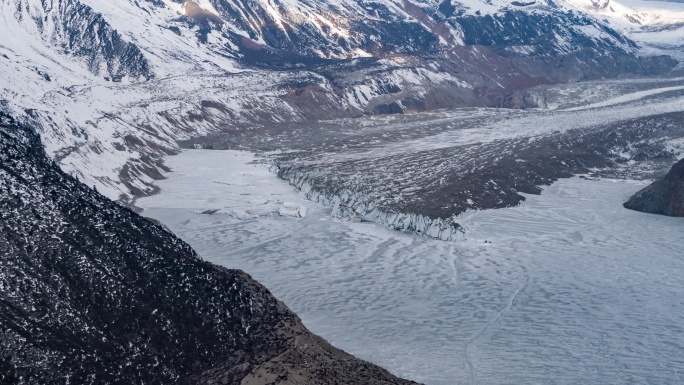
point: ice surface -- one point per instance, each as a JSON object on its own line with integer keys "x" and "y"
{"x": 289, "y": 209}
{"x": 568, "y": 288}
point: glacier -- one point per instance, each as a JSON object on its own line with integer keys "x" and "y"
{"x": 568, "y": 287}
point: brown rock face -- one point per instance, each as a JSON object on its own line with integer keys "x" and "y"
{"x": 664, "y": 196}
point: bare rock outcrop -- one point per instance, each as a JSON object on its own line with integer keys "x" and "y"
{"x": 665, "y": 196}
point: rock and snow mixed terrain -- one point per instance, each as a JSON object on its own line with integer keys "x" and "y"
{"x": 568, "y": 288}
{"x": 413, "y": 114}
{"x": 91, "y": 293}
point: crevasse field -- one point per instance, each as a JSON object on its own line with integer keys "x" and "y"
{"x": 569, "y": 288}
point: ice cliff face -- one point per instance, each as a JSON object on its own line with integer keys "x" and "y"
{"x": 355, "y": 205}
{"x": 92, "y": 293}
{"x": 665, "y": 196}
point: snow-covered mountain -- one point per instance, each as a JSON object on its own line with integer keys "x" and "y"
{"x": 114, "y": 84}
{"x": 71, "y": 28}
{"x": 656, "y": 26}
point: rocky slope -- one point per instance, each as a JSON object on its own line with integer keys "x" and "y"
{"x": 92, "y": 293}
{"x": 665, "y": 196}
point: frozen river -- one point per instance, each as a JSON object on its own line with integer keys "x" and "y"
{"x": 569, "y": 288}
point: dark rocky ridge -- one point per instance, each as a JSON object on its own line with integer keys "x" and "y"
{"x": 92, "y": 293}
{"x": 665, "y": 196}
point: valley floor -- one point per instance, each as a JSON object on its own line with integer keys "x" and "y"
{"x": 569, "y": 287}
